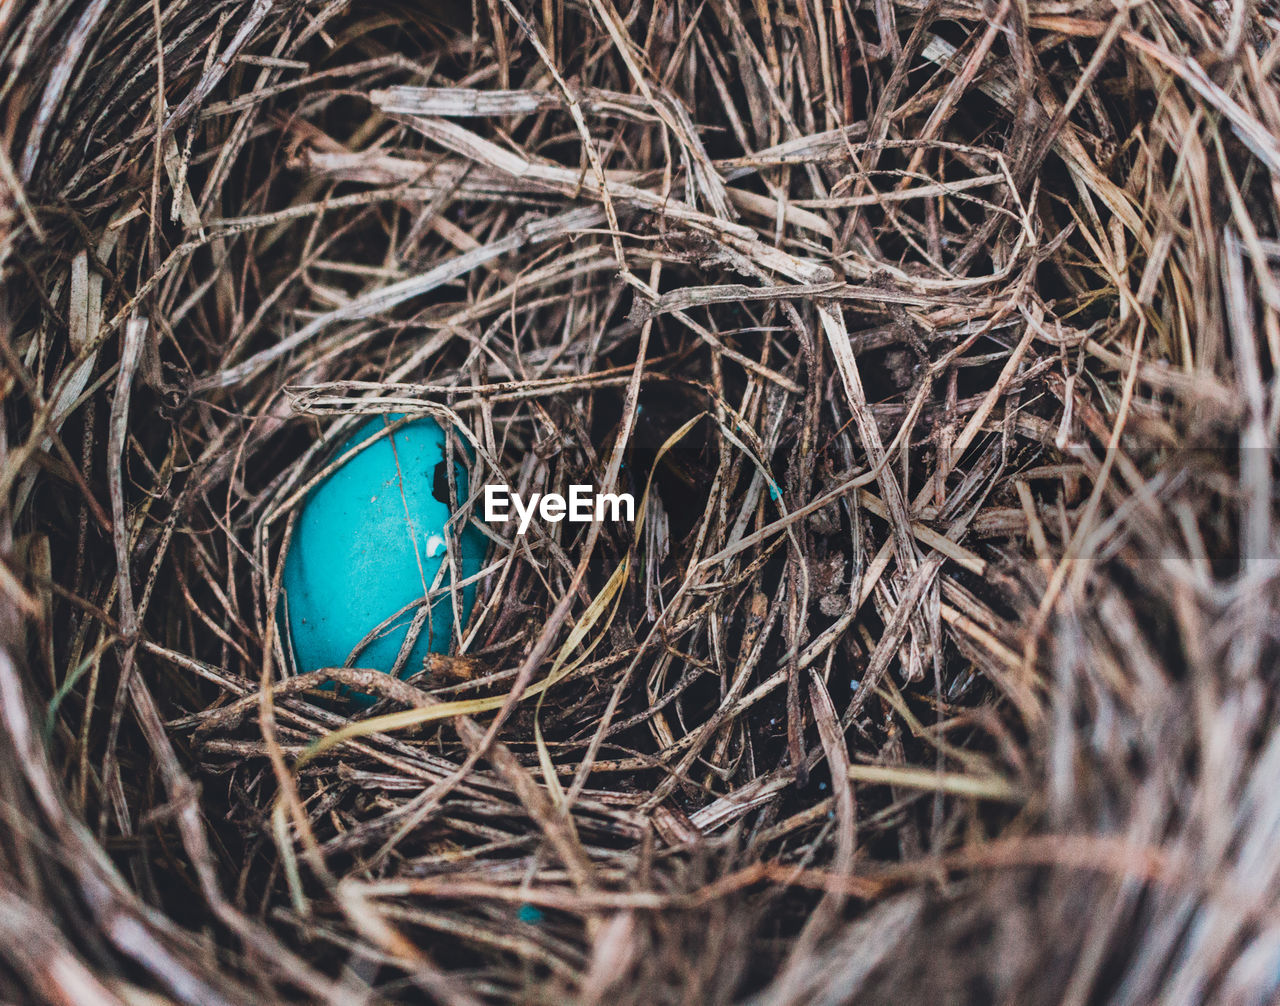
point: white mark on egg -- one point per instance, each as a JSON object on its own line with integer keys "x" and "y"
{"x": 435, "y": 545}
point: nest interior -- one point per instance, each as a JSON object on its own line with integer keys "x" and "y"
{"x": 937, "y": 344}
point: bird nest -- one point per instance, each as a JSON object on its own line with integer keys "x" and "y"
{"x": 937, "y": 344}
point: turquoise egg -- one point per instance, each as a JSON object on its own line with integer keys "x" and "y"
{"x": 366, "y": 549}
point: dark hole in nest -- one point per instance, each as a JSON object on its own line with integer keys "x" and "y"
{"x": 440, "y": 484}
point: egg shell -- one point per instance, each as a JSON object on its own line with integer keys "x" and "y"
{"x": 367, "y": 546}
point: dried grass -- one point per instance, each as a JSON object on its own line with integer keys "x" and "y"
{"x": 940, "y": 341}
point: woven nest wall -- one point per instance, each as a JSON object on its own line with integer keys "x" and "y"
{"x": 936, "y": 341}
